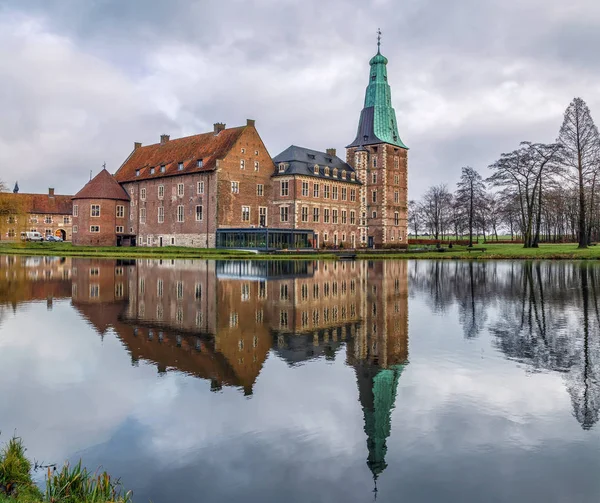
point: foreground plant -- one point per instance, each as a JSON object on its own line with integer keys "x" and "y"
{"x": 15, "y": 477}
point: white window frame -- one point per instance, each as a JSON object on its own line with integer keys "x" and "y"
{"x": 92, "y": 207}
{"x": 180, "y": 189}
{"x": 180, "y": 213}
{"x": 200, "y": 187}
{"x": 235, "y": 187}
{"x": 201, "y": 215}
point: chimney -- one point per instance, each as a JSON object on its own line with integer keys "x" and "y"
{"x": 219, "y": 126}
{"x": 164, "y": 138}
{"x": 51, "y": 192}
{"x": 331, "y": 152}
{"x": 250, "y": 122}
{"x": 137, "y": 144}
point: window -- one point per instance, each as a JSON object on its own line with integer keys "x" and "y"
{"x": 200, "y": 188}
{"x": 325, "y": 236}
{"x": 374, "y": 214}
{"x": 180, "y": 214}
{"x": 396, "y": 218}
{"x": 374, "y": 196}
{"x": 344, "y": 193}
{"x": 305, "y": 213}
{"x": 143, "y": 194}
{"x": 326, "y": 171}
{"x": 315, "y": 214}
{"x": 95, "y": 211}
{"x": 199, "y": 163}
{"x": 281, "y": 167}
{"x": 163, "y": 168}
{"x": 235, "y": 187}
{"x": 305, "y": 189}
{"x": 364, "y": 219}
{"x": 47, "y": 220}
{"x": 353, "y": 195}
{"x": 199, "y": 211}
{"x": 180, "y": 189}
{"x": 94, "y": 228}
{"x": 137, "y": 172}
{"x": 326, "y": 215}
{"x": 285, "y": 188}
{"x": 334, "y": 216}
{"x": 260, "y": 189}
{"x": 120, "y": 211}
{"x": 343, "y": 174}
{"x": 75, "y": 211}
{"x": 179, "y": 166}
{"x": 245, "y": 213}
{"x": 94, "y": 290}
{"x": 142, "y": 215}
{"x": 262, "y": 216}
{"x": 119, "y": 229}
{"x": 159, "y": 287}
{"x": 335, "y": 171}
{"x": 256, "y": 165}
{"x": 374, "y": 178}
{"x": 242, "y": 164}
{"x": 326, "y": 190}
{"x": 75, "y": 229}
{"x": 151, "y": 171}
{"x": 344, "y": 218}
{"x": 396, "y": 196}
{"x": 352, "y": 176}
{"x": 161, "y": 214}
{"x": 352, "y": 217}
{"x": 283, "y": 213}
{"x": 396, "y": 162}
{"x": 198, "y": 291}
{"x": 66, "y": 220}
{"x": 161, "y": 191}
{"x": 334, "y": 192}
{"x": 34, "y": 220}
{"x": 374, "y": 162}
{"x": 316, "y": 190}
{"x": 316, "y": 169}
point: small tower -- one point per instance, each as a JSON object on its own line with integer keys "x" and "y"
{"x": 16, "y": 189}
{"x": 380, "y": 159}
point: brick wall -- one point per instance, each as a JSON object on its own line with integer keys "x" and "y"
{"x": 58, "y": 224}
{"x": 107, "y": 221}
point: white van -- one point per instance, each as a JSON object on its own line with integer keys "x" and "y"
{"x": 32, "y": 236}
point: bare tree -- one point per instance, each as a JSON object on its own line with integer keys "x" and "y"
{"x": 581, "y": 143}
{"x": 470, "y": 195}
{"x": 414, "y": 216}
{"x": 436, "y": 209}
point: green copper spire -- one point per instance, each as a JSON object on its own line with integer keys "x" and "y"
{"x": 378, "y": 119}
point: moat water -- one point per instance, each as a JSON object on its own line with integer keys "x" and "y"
{"x": 209, "y": 381}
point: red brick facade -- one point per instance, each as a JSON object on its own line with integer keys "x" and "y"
{"x": 100, "y": 230}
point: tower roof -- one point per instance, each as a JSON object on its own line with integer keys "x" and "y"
{"x": 102, "y": 186}
{"x": 378, "y": 118}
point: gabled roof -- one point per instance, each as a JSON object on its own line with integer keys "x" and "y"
{"x": 207, "y": 147}
{"x": 45, "y": 204}
{"x": 302, "y": 161}
{"x": 102, "y": 186}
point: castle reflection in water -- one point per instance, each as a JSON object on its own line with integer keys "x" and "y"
{"x": 219, "y": 320}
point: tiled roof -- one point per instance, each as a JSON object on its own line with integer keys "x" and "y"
{"x": 302, "y": 161}
{"x": 207, "y": 147}
{"x": 44, "y": 204}
{"x": 102, "y": 186}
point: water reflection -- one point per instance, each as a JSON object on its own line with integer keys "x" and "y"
{"x": 548, "y": 316}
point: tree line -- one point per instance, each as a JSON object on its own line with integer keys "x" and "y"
{"x": 539, "y": 192}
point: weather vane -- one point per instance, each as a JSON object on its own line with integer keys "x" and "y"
{"x": 104, "y": 165}
{"x": 378, "y": 38}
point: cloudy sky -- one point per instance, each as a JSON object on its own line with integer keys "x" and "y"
{"x": 80, "y": 81}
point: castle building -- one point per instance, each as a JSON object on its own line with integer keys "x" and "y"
{"x": 223, "y": 189}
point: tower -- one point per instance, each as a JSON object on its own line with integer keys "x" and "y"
{"x": 380, "y": 159}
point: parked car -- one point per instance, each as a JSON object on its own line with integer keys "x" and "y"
{"x": 54, "y": 239}
{"x": 33, "y": 236}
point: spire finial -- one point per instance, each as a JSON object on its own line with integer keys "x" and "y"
{"x": 104, "y": 165}
{"x": 378, "y": 39}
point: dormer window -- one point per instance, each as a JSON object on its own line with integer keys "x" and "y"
{"x": 316, "y": 169}
{"x": 199, "y": 163}
{"x": 163, "y": 168}
{"x": 180, "y": 166}
{"x": 373, "y": 77}
{"x": 353, "y": 176}
{"x": 335, "y": 172}
{"x": 365, "y": 138}
{"x": 137, "y": 172}
{"x": 343, "y": 174}
{"x": 326, "y": 171}
{"x": 311, "y": 156}
{"x": 151, "y": 171}
{"x": 281, "y": 167}
{"x": 328, "y": 159}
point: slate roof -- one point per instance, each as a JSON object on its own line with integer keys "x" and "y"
{"x": 102, "y": 186}
{"x": 302, "y": 161}
{"x": 207, "y": 147}
{"x": 41, "y": 204}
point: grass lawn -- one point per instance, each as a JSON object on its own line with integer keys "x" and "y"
{"x": 492, "y": 251}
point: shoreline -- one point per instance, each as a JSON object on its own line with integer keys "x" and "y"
{"x": 492, "y": 252}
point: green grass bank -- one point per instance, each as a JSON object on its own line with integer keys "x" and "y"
{"x": 481, "y": 252}
{"x": 66, "y": 485}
